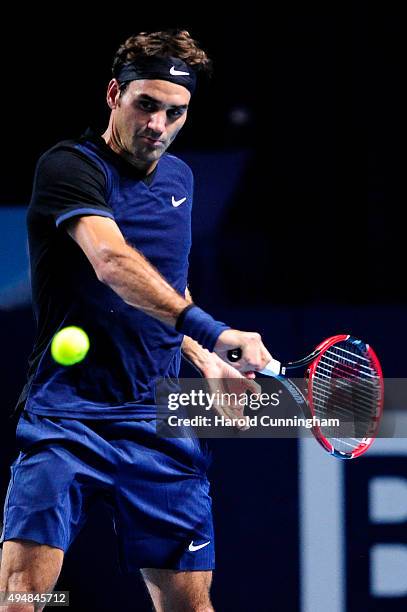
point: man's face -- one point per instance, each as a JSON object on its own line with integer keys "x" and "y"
{"x": 146, "y": 118}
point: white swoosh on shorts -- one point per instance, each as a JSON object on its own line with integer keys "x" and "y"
{"x": 193, "y": 548}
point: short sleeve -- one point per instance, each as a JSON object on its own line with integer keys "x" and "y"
{"x": 67, "y": 184}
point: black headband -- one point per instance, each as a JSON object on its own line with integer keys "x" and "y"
{"x": 164, "y": 68}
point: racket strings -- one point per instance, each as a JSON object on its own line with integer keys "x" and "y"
{"x": 325, "y": 388}
{"x": 346, "y": 386}
{"x": 347, "y": 365}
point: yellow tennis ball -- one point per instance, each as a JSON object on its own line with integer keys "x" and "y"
{"x": 70, "y": 345}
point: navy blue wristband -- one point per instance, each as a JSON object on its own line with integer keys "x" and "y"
{"x": 199, "y": 325}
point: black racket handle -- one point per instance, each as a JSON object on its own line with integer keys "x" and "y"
{"x": 234, "y": 354}
{"x": 273, "y": 368}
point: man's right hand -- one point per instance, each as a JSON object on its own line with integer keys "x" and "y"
{"x": 255, "y": 356}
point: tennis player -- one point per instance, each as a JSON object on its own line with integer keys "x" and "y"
{"x": 109, "y": 229}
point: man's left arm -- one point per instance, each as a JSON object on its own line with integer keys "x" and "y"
{"x": 209, "y": 364}
{"x": 218, "y": 372}
{"x": 194, "y": 352}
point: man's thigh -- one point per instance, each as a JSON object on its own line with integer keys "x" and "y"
{"x": 179, "y": 591}
{"x": 163, "y": 509}
{"x": 54, "y": 481}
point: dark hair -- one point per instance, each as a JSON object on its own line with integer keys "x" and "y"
{"x": 170, "y": 43}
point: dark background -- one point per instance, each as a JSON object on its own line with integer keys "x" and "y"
{"x": 319, "y": 93}
{"x": 310, "y": 244}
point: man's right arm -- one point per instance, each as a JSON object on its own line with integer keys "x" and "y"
{"x": 125, "y": 269}
{"x": 127, "y": 272}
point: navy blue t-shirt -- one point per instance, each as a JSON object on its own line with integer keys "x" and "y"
{"x": 129, "y": 350}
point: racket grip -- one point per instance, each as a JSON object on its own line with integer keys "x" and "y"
{"x": 273, "y": 368}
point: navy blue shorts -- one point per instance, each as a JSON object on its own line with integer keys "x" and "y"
{"x": 157, "y": 488}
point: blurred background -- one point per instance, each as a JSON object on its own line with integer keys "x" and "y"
{"x": 295, "y": 143}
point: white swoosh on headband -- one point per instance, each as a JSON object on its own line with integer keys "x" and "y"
{"x": 177, "y": 72}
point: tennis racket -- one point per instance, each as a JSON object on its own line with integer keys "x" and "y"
{"x": 343, "y": 380}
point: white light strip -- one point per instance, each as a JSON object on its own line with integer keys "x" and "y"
{"x": 321, "y": 530}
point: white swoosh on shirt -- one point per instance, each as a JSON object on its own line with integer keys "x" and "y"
{"x": 177, "y": 202}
